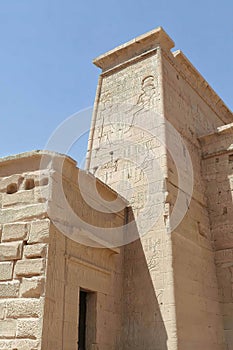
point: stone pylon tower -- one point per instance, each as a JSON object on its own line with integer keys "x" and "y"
{"x": 151, "y": 108}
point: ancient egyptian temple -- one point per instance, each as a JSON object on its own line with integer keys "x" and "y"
{"x": 136, "y": 251}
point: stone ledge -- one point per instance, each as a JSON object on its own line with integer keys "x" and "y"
{"x": 134, "y": 48}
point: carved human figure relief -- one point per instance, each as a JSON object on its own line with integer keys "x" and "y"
{"x": 112, "y": 124}
{"x": 103, "y": 124}
{"x": 146, "y": 100}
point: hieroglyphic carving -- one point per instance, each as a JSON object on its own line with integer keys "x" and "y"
{"x": 152, "y": 249}
{"x": 146, "y": 100}
{"x": 151, "y": 244}
{"x": 127, "y": 144}
{"x": 223, "y": 256}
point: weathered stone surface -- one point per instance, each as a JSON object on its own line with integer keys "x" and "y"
{"x": 35, "y": 250}
{"x": 28, "y": 329}
{"x": 32, "y": 287}
{"x": 29, "y": 267}
{"x": 2, "y": 309}
{"x": 6, "y": 270}
{"x": 10, "y": 251}
{"x": 14, "y": 232}
{"x": 7, "y": 329}
{"x": 19, "y": 199}
{"x": 162, "y": 290}
{"x": 19, "y": 344}
{"x": 39, "y": 231}
{"x": 23, "y": 213}
{"x": 9, "y": 289}
{"x": 24, "y": 308}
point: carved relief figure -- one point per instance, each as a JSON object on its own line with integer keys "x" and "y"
{"x": 146, "y": 99}
{"x": 103, "y": 128}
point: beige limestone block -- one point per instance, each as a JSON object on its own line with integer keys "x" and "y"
{"x": 2, "y": 310}
{"x": 7, "y": 329}
{"x": 23, "y": 213}
{"x": 30, "y": 267}
{"x": 9, "y": 289}
{"x": 28, "y": 328}
{"x": 10, "y": 251}
{"x": 8, "y": 180}
{"x": 6, "y": 270}
{"x": 38, "y": 250}
{"x": 19, "y": 344}
{"x": 39, "y": 231}
{"x": 17, "y": 199}
{"x": 32, "y": 287}
{"x": 14, "y": 232}
{"x": 24, "y": 308}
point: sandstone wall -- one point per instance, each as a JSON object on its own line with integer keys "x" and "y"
{"x": 218, "y": 173}
{"x": 72, "y": 266}
{"x": 44, "y": 265}
{"x": 194, "y": 110}
{"x": 127, "y": 151}
{"x": 23, "y": 257}
{"x": 138, "y": 77}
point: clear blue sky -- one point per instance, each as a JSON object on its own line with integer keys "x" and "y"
{"x": 47, "y": 47}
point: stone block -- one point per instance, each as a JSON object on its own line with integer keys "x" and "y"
{"x": 19, "y": 198}
{"x": 30, "y": 329}
{"x": 9, "y": 289}
{"x": 38, "y": 250}
{"x": 23, "y": 213}
{"x": 32, "y": 287}
{"x": 8, "y": 180}
{"x": 10, "y": 251}
{"x": 39, "y": 231}
{"x": 6, "y": 270}
{"x": 24, "y": 308}
{"x": 7, "y": 329}
{"x": 19, "y": 344}
{"x": 29, "y": 267}
{"x": 14, "y": 232}
{"x": 2, "y": 310}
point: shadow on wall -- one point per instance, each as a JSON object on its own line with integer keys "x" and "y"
{"x": 220, "y": 192}
{"x": 203, "y": 252}
{"x": 143, "y": 326}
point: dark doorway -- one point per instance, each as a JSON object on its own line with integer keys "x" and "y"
{"x": 82, "y": 320}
